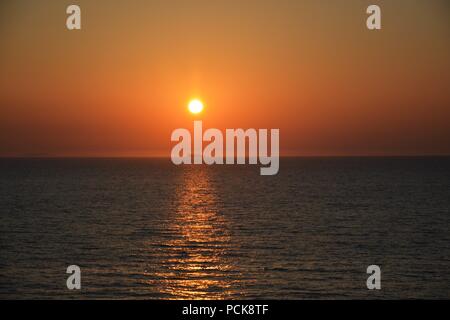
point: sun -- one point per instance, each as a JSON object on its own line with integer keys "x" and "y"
{"x": 195, "y": 106}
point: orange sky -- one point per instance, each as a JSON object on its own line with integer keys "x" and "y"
{"x": 120, "y": 85}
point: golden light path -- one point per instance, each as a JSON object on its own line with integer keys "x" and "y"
{"x": 196, "y": 262}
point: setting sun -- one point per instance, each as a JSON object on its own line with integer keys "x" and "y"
{"x": 195, "y": 106}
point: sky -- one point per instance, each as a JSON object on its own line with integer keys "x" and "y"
{"x": 311, "y": 68}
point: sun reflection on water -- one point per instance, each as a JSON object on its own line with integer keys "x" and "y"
{"x": 196, "y": 264}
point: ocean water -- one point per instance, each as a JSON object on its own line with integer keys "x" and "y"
{"x": 146, "y": 229}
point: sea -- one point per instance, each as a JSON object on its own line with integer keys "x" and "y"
{"x": 144, "y": 228}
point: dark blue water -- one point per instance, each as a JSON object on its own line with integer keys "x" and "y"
{"x": 144, "y": 228}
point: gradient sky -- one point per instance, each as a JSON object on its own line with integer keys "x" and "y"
{"x": 120, "y": 85}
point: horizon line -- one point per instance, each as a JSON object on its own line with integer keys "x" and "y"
{"x": 168, "y": 157}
